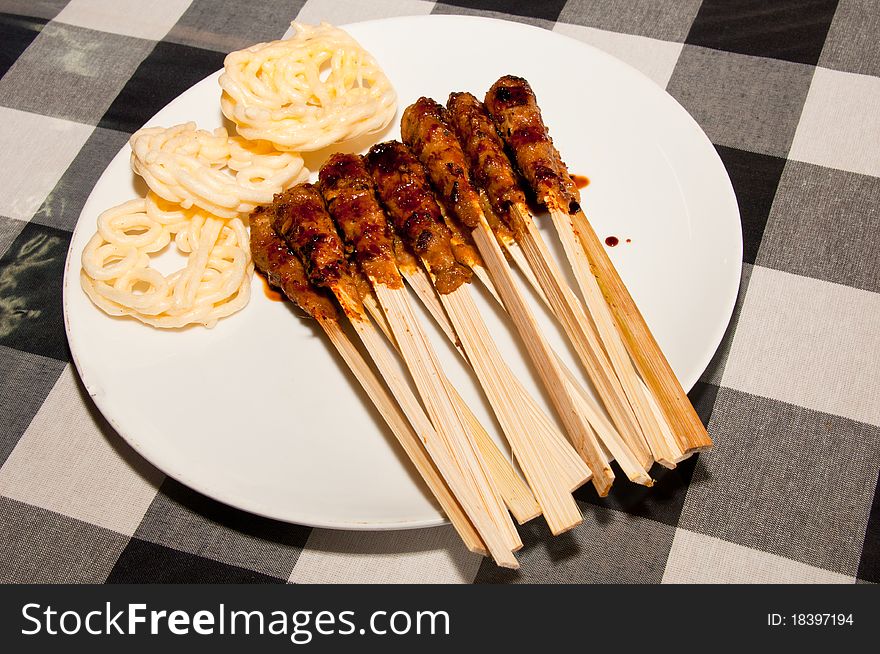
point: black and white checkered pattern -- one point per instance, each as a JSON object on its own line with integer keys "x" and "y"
{"x": 789, "y": 92}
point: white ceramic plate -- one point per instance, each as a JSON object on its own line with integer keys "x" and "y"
{"x": 259, "y": 413}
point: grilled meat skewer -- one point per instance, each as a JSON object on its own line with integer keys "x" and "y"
{"x": 283, "y": 269}
{"x": 348, "y": 189}
{"x": 405, "y": 191}
{"x": 423, "y": 128}
{"x": 433, "y": 141}
{"x": 489, "y": 165}
{"x": 303, "y": 220}
{"x": 534, "y": 440}
{"x": 512, "y": 104}
{"x": 623, "y": 330}
{"x": 492, "y": 170}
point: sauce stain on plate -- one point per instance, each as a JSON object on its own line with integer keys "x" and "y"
{"x": 580, "y": 181}
{"x": 270, "y": 292}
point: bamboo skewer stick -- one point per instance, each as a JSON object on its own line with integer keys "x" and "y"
{"x": 415, "y": 414}
{"x": 561, "y": 391}
{"x": 633, "y": 456}
{"x": 661, "y": 449}
{"x": 473, "y": 478}
{"x": 635, "y": 468}
{"x": 441, "y": 449}
{"x": 409, "y": 441}
{"x": 690, "y": 434}
{"x": 609, "y": 333}
{"x": 481, "y": 274}
{"x": 609, "y": 438}
{"x": 515, "y": 252}
{"x": 466, "y": 255}
{"x": 424, "y": 367}
{"x": 517, "y": 495}
{"x": 499, "y": 384}
{"x": 635, "y": 464}
{"x": 578, "y": 327}
{"x": 672, "y": 454}
{"x": 521, "y": 419}
{"x": 421, "y": 285}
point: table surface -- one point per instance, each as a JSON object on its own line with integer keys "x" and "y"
{"x": 789, "y": 94}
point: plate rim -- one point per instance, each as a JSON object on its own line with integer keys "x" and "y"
{"x": 218, "y": 494}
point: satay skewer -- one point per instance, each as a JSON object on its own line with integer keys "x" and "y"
{"x": 501, "y": 197}
{"x": 448, "y": 253}
{"x": 347, "y": 185}
{"x": 425, "y": 130}
{"x": 284, "y": 270}
{"x": 303, "y": 221}
{"x": 512, "y": 104}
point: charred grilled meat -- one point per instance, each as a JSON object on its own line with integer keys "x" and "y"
{"x": 425, "y": 130}
{"x": 511, "y": 103}
{"x": 406, "y": 262}
{"x": 284, "y": 270}
{"x": 463, "y": 246}
{"x": 404, "y": 189}
{"x": 301, "y": 218}
{"x": 490, "y": 167}
{"x": 350, "y": 194}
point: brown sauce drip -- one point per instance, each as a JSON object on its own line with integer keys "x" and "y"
{"x": 270, "y": 292}
{"x": 580, "y": 181}
{"x": 612, "y": 241}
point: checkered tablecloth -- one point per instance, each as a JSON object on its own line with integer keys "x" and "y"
{"x": 789, "y": 93}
